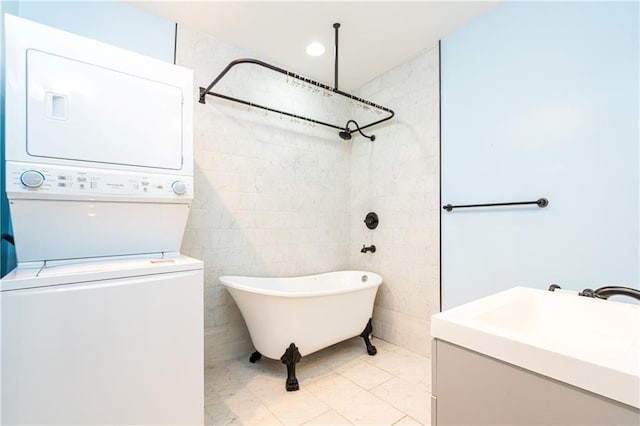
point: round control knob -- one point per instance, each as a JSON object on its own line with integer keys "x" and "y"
{"x": 179, "y": 187}
{"x": 31, "y": 178}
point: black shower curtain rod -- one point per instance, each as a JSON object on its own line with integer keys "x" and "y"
{"x": 207, "y": 91}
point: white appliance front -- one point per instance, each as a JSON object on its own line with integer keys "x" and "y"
{"x": 86, "y": 112}
{"x": 99, "y": 147}
{"x": 54, "y": 230}
{"x": 74, "y": 101}
{"x": 99, "y": 166}
{"x": 117, "y": 351}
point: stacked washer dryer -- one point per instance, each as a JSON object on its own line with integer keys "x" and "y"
{"x": 102, "y": 320}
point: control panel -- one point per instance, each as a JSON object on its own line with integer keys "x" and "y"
{"x": 73, "y": 182}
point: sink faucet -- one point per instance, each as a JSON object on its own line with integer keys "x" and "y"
{"x": 371, "y": 248}
{"x": 608, "y": 291}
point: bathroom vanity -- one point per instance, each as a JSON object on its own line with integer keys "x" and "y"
{"x": 526, "y": 356}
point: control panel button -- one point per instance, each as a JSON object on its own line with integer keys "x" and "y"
{"x": 179, "y": 187}
{"x": 31, "y": 178}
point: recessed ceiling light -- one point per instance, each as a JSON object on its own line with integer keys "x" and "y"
{"x": 315, "y": 49}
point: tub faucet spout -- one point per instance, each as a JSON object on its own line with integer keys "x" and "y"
{"x": 371, "y": 248}
{"x": 608, "y": 291}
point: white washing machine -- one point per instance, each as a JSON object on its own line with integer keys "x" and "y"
{"x": 102, "y": 320}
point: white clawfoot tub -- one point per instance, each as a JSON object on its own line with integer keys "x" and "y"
{"x": 293, "y": 317}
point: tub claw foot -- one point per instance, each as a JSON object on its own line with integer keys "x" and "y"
{"x": 371, "y": 350}
{"x": 290, "y": 358}
{"x": 255, "y": 357}
{"x": 292, "y": 385}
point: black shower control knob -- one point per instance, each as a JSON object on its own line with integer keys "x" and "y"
{"x": 371, "y": 220}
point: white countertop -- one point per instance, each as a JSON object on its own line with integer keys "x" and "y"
{"x": 589, "y": 343}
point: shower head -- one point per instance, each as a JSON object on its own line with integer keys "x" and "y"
{"x": 346, "y": 133}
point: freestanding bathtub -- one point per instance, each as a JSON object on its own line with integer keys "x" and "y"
{"x": 292, "y": 317}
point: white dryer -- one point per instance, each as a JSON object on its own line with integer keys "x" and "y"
{"x": 102, "y": 320}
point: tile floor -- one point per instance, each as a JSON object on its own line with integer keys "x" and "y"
{"x": 340, "y": 385}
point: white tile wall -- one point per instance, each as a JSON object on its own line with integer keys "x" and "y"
{"x": 272, "y": 195}
{"x": 276, "y": 197}
{"x": 397, "y": 176}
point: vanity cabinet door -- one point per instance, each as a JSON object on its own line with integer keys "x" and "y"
{"x": 471, "y": 388}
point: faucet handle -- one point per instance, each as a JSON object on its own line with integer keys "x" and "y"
{"x": 365, "y": 249}
{"x": 587, "y": 292}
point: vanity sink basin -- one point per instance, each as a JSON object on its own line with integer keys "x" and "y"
{"x": 589, "y": 343}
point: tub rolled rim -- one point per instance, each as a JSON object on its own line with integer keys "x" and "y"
{"x": 374, "y": 280}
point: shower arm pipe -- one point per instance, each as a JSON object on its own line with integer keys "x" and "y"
{"x": 207, "y": 91}
{"x": 357, "y": 129}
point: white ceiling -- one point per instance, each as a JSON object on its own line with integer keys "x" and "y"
{"x": 374, "y": 36}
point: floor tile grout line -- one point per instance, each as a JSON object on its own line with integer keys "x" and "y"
{"x": 349, "y": 379}
{"x": 322, "y": 414}
{"x": 394, "y": 374}
{"x": 326, "y": 402}
{"x": 407, "y": 417}
{"x": 266, "y": 406}
{"x": 362, "y": 387}
{"x": 393, "y": 404}
{"x": 369, "y": 390}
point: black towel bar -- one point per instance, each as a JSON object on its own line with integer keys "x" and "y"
{"x": 541, "y": 202}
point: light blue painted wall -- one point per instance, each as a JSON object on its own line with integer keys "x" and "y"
{"x": 111, "y": 22}
{"x": 541, "y": 99}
